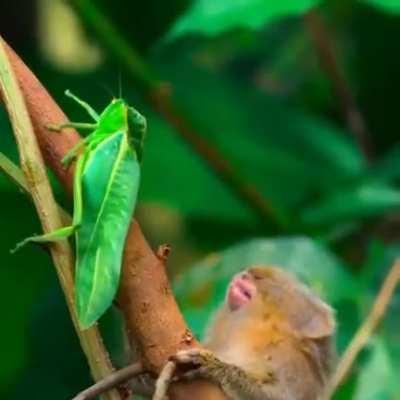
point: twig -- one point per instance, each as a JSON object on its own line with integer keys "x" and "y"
{"x": 14, "y": 173}
{"x": 348, "y": 104}
{"x": 159, "y": 96}
{"x": 164, "y": 381}
{"x": 163, "y": 252}
{"x": 365, "y": 331}
{"x": 39, "y": 187}
{"x": 153, "y": 320}
{"x": 111, "y": 381}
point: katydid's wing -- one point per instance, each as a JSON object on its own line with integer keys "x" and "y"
{"x": 110, "y": 180}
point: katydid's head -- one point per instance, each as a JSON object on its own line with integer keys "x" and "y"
{"x": 113, "y": 117}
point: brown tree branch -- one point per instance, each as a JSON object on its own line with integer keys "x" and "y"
{"x": 350, "y": 110}
{"x": 154, "y": 322}
{"x": 363, "y": 334}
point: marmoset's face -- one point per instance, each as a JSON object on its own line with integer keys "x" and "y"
{"x": 241, "y": 291}
{"x": 269, "y": 282}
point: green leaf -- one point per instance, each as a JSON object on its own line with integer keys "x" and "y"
{"x": 202, "y": 288}
{"x": 369, "y": 199}
{"x": 211, "y": 17}
{"x": 387, "y": 168}
{"x": 390, "y": 6}
{"x": 286, "y": 153}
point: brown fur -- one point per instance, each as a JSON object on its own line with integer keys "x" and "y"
{"x": 285, "y": 331}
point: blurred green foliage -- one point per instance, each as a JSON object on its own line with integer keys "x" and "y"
{"x": 248, "y": 80}
{"x": 391, "y": 6}
{"x": 215, "y": 16}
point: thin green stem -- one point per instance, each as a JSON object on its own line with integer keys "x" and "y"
{"x": 14, "y": 173}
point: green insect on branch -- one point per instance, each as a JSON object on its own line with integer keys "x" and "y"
{"x": 152, "y": 318}
{"x": 106, "y": 184}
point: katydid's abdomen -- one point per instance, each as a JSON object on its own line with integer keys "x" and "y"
{"x": 109, "y": 187}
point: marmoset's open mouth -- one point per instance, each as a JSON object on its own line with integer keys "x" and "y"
{"x": 241, "y": 291}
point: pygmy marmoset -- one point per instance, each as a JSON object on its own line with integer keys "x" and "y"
{"x": 272, "y": 339}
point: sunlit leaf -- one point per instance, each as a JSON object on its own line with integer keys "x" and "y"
{"x": 368, "y": 199}
{"x": 211, "y": 17}
{"x": 391, "y": 6}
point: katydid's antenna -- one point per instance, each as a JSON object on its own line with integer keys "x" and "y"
{"x": 107, "y": 90}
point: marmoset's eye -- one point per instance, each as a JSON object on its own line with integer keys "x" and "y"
{"x": 257, "y": 273}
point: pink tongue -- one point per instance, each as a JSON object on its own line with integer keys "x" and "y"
{"x": 240, "y": 292}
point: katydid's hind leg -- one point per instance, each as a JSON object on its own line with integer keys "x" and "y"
{"x": 83, "y": 104}
{"x": 54, "y": 236}
{"x": 73, "y": 153}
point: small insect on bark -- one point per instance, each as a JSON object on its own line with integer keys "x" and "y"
{"x": 106, "y": 184}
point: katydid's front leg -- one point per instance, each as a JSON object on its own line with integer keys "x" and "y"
{"x": 84, "y": 105}
{"x": 78, "y": 125}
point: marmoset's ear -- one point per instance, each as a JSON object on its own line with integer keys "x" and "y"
{"x": 316, "y": 319}
{"x": 306, "y": 313}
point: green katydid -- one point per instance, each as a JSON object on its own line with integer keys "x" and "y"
{"x": 106, "y": 183}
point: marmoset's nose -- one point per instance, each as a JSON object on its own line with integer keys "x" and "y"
{"x": 245, "y": 276}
